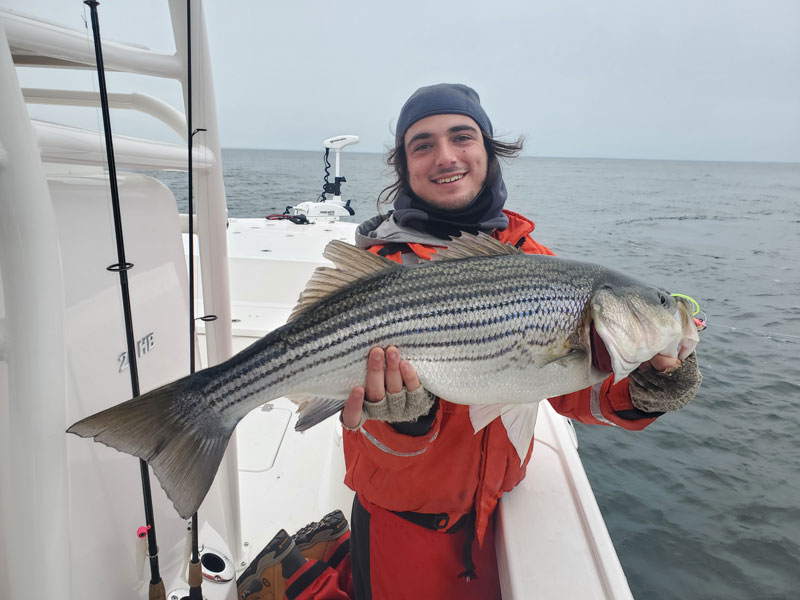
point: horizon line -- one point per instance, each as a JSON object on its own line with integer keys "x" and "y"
{"x": 708, "y": 160}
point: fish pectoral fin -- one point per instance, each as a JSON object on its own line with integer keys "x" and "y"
{"x": 565, "y": 358}
{"x": 519, "y": 421}
{"x": 351, "y": 263}
{"x": 312, "y": 410}
{"x": 469, "y": 245}
{"x": 480, "y": 415}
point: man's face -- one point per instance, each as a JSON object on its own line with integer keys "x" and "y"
{"x": 446, "y": 160}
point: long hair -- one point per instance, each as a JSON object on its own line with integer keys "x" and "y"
{"x": 396, "y": 158}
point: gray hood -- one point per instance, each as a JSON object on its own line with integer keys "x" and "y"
{"x": 415, "y": 220}
{"x": 384, "y": 229}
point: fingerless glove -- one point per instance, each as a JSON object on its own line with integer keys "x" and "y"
{"x": 401, "y": 407}
{"x": 663, "y": 391}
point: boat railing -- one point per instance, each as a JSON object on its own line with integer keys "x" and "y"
{"x": 35, "y": 42}
{"x": 47, "y": 171}
{"x": 145, "y": 103}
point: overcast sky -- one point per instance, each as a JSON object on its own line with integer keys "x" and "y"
{"x": 676, "y": 79}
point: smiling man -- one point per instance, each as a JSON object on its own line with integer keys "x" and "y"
{"x": 427, "y": 486}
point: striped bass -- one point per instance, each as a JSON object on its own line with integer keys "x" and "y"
{"x": 482, "y": 324}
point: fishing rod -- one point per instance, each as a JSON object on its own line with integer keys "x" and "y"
{"x": 764, "y": 332}
{"x": 122, "y": 266}
{"x": 701, "y": 321}
{"x": 195, "y": 568}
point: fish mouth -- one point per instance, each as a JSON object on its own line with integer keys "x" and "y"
{"x": 601, "y": 358}
{"x": 627, "y": 332}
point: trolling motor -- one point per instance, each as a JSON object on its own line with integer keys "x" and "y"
{"x": 337, "y": 143}
{"x": 324, "y": 208}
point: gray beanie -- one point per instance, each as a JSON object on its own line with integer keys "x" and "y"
{"x": 442, "y": 99}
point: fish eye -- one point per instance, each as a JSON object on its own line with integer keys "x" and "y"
{"x": 663, "y": 298}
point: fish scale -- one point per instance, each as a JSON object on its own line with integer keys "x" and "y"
{"x": 491, "y": 326}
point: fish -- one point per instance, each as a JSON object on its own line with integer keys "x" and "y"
{"x": 483, "y": 323}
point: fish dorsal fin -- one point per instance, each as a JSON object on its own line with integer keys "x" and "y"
{"x": 355, "y": 261}
{"x": 474, "y": 245}
{"x": 351, "y": 263}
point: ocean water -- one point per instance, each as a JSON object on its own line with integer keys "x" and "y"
{"x": 705, "y": 503}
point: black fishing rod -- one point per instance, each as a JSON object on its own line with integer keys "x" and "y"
{"x": 195, "y": 569}
{"x": 122, "y": 266}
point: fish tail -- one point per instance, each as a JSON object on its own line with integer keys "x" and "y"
{"x": 184, "y": 456}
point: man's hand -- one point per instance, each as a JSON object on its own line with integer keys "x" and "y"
{"x": 664, "y": 383}
{"x": 387, "y": 376}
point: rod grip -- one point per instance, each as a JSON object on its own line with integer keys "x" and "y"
{"x": 195, "y": 574}
{"x": 157, "y": 591}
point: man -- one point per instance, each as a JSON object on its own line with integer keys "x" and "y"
{"x": 426, "y": 484}
{"x": 426, "y": 488}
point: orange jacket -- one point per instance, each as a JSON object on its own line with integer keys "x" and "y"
{"x": 451, "y": 469}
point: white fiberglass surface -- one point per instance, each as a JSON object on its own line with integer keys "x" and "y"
{"x": 299, "y": 483}
{"x": 552, "y": 540}
{"x": 283, "y": 239}
{"x": 92, "y": 295}
{"x": 104, "y": 485}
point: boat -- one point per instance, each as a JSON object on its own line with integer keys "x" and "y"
{"x": 72, "y": 520}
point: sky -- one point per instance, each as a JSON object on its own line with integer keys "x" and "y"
{"x": 677, "y": 79}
